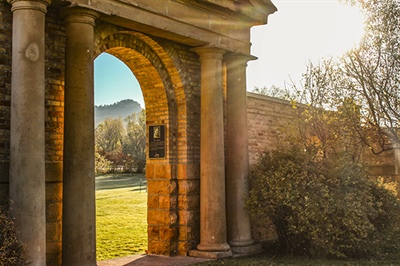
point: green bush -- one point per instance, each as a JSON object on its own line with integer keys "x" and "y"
{"x": 12, "y": 252}
{"x": 323, "y": 207}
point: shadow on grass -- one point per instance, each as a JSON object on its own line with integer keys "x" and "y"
{"x": 114, "y": 181}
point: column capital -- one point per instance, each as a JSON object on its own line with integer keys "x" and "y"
{"x": 79, "y": 14}
{"x": 209, "y": 51}
{"x": 40, "y": 5}
{"x": 239, "y": 58}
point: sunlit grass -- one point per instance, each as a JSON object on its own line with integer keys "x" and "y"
{"x": 121, "y": 216}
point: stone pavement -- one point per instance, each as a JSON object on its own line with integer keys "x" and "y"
{"x": 151, "y": 260}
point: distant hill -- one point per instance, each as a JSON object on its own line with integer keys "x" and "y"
{"x": 121, "y": 109}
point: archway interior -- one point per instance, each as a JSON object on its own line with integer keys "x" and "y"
{"x": 121, "y": 198}
{"x": 157, "y": 65}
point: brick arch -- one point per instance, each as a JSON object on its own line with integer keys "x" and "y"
{"x": 155, "y": 71}
{"x": 164, "y": 96}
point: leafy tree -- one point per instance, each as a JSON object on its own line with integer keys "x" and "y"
{"x": 109, "y": 134}
{"x": 120, "y": 144}
{"x": 102, "y": 164}
{"x": 367, "y": 78}
{"x": 135, "y": 140}
{"x": 274, "y": 91}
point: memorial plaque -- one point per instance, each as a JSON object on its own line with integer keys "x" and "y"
{"x": 157, "y": 141}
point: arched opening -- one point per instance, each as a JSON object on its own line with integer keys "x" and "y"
{"x": 156, "y": 70}
{"x": 120, "y": 140}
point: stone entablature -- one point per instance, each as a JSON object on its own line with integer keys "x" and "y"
{"x": 225, "y": 23}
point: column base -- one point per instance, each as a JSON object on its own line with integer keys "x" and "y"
{"x": 246, "y": 250}
{"x": 215, "y": 255}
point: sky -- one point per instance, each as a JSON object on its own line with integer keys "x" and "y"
{"x": 300, "y": 31}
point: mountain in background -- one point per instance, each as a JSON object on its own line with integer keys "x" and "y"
{"x": 121, "y": 109}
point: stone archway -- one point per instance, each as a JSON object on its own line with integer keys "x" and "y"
{"x": 165, "y": 101}
{"x": 55, "y": 42}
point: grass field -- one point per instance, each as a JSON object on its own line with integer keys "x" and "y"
{"x": 121, "y": 223}
{"x": 121, "y": 215}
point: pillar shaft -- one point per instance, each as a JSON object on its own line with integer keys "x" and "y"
{"x": 27, "y": 141}
{"x": 212, "y": 169}
{"x": 79, "y": 221}
{"x": 237, "y": 164}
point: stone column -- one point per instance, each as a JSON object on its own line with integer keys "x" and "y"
{"x": 79, "y": 221}
{"x": 237, "y": 164}
{"x": 213, "y": 241}
{"x": 27, "y": 143}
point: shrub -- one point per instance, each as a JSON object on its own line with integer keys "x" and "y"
{"x": 12, "y": 252}
{"x": 322, "y": 207}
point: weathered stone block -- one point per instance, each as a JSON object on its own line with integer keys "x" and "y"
{"x": 162, "y": 247}
{"x": 53, "y": 253}
{"x": 184, "y": 247}
{"x": 153, "y": 233}
{"x": 152, "y": 201}
{"x": 189, "y": 217}
{"x": 161, "y": 217}
{"x": 53, "y": 231}
{"x": 54, "y": 171}
{"x": 53, "y": 191}
{"x": 53, "y": 211}
{"x": 149, "y": 170}
{"x": 189, "y": 187}
{"x": 168, "y": 233}
{"x": 189, "y": 233}
{"x": 162, "y": 171}
{"x": 189, "y": 202}
{"x": 168, "y": 202}
{"x": 165, "y": 187}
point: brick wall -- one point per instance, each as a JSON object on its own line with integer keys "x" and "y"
{"x": 54, "y": 68}
{"x": 5, "y": 96}
{"x": 54, "y": 130}
{"x": 266, "y": 117}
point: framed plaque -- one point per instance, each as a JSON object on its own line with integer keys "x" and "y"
{"x": 157, "y": 141}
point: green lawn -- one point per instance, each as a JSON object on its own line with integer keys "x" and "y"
{"x": 121, "y": 215}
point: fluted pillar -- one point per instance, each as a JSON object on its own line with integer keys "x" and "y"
{"x": 237, "y": 163}
{"x": 79, "y": 221}
{"x": 213, "y": 241}
{"x": 27, "y": 141}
